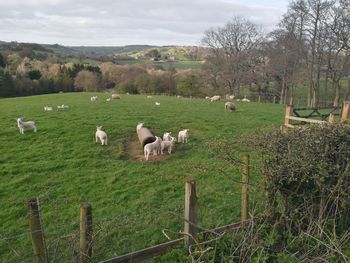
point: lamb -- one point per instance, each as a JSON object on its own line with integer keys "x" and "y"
{"x": 115, "y": 97}
{"x": 245, "y": 99}
{"x": 152, "y": 147}
{"x": 62, "y": 107}
{"x": 94, "y": 98}
{"x": 47, "y": 108}
{"x": 25, "y": 124}
{"x": 167, "y": 136}
{"x": 139, "y": 126}
{"x": 230, "y": 106}
{"x": 183, "y": 136}
{"x": 215, "y": 98}
{"x": 157, "y": 104}
{"x": 167, "y": 145}
{"x": 101, "y": 135}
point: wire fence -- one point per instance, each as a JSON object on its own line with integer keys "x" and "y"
{"x": 118, "y": 233}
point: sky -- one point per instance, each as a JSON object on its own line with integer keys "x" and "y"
{"x": 129, "y": 22}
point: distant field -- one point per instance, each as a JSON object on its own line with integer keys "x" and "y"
{"x": 185, "y": 64}
{"x": 63, "y": 165}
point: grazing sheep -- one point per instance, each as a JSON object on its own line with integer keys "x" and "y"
{"x": 62, "y": 107}
{"x": 207, "y": 98}
{"x": 179, "y": 97}
{"x": 167, "y": 136}
{"x": 168, "y": 145}
{"x": 231, "y": 97}
{"x": 215, "y": 98}
{"x": 149, "y": 97}
{"x": 154, "y": 147}
{"x": 157, "y": 104}
{"x": 25, "y": 124}
{"x": 238, "y": 100}
{"x": 139, "y": 126}
{"x": 115, "y": 97}
{"x": 109, "y": 99}
{"x": 94, "y": 98}
{"x": 183, "y": 136}
{"x": 47, "y": 108}
{"x": 230, "y": 106}
{"x": 101, "y": 135}
{"x": 245, "y": 99}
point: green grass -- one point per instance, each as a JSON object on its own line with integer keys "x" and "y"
{"x": 63, "y": 165}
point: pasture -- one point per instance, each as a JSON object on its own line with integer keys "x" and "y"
{"x": 63, "y": 166}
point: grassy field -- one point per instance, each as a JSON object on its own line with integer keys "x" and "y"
{"x": 63, "y": 166}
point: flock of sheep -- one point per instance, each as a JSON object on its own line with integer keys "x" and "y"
{"x": 160, "y": 145}
{"x": 156, "y": 147}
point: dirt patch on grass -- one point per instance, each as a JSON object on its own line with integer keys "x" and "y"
{"x": 134, "y": 151}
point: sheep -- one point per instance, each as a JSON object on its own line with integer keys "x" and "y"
{"x": 149, "y": 97}
{"x": 139, "y": 126}
{"x": 179, "y": 97}
{"x": 25, "y": 124}
{"x": 230, "y": 106}
{"x": 94, "y": 98}
{"x": 167, "y": 145}
{"x": 231, "y": 97}
{"x": 245, "y": 99}
{"x": 215, "y": 98}
{"x": 152, "y": 147}
{"x": 167, "y": 136}
{"x": 101, "y": 135}
{"x": 183, "y": 136}
{"x": 109, "y": 99}
{"x": 62, "y": 107}
{"x": 207, "y": 98}
{"x": 115, "y": 97}
{"x": 47, "y": 108}
{"x": 157, "y": 104}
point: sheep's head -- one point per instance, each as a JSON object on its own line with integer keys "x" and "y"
{"x": 98, "y": 128}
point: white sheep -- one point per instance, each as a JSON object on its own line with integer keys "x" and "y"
{"x": 115, "y": 97}
{"x": 139, "y": 126}
{"x": 94, "y": 98}
{"x": 154, "y": 147}
{"x": 215, "y": 98}
{"x": 25, "y": 124}
{"x": 245, "y": 99}
{"x": 149, "y": 97}
{"x": 167, "y": 136}
{"x": 101, "y": 135}
{"x": 207, "y": 98}
{"x": 109, "y": 99}
{"x": 157, "y": 104}
{"x": 183, "y": 136}
{"x": 47, "y": 108}
{"x": 62, "y": 107}
{"x": 231, "y": 97}
{"x": 167, "y": 145}
{"x": 179, "y": 97}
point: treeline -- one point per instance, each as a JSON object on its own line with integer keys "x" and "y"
{"x": 308, "y": 52}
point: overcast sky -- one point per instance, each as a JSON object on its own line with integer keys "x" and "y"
{"x": 117, "y": 22}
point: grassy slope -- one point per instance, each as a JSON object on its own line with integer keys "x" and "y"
{"x": 62, "y": 164}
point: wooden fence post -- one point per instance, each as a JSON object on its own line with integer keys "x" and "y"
{"x": 274, "y": 99}
{"x": 331, "y": 118}
{"x": 36, "y": 231}
{"x": 190, "y": 228}
{"x": 259, "y": 99}
{"x": 289, "y": 112}
{"x": 345, "y": 112}
{"x": 85, "y": 233}
{"x": 245, "y": 182}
